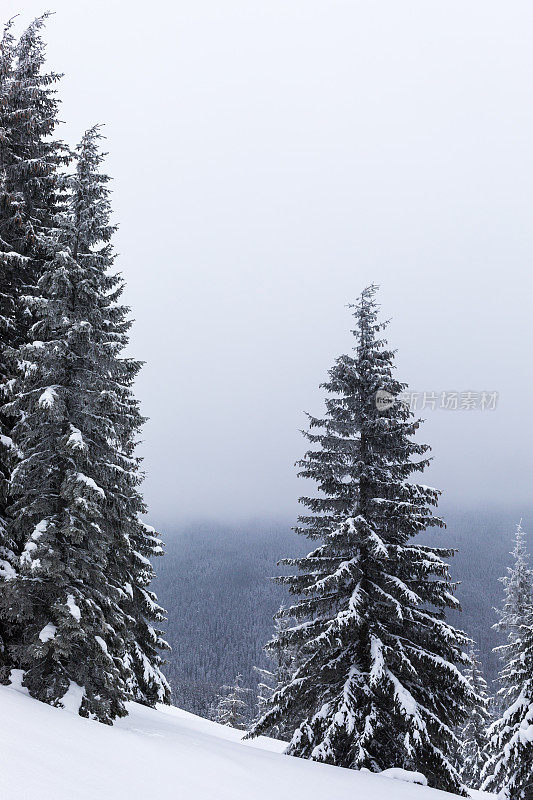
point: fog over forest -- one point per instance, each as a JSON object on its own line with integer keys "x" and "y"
{"x": 214, "y": 582}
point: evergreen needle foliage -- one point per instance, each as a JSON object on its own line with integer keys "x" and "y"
{"x": 472, "y": 752}
{"x": 30, "y": 197}
{"x": 232, "y": 708}
{"x": 509, "y": 768}
{"x": 282, "y": 658}
{"x": 76, "y": 613}
{"x": 377, "y": 683}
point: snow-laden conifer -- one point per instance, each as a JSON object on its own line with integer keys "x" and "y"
{"x": 8, "y": 264}
{"x": 265, "y": 689}
{"x": 29, "y": 198}
{"x": 518, "y": 586}
{"x": 7, "y": 302}
{"x": 232, "y": 707}
{"x": 30, "y": 184}
{"x": 472, "y": 753}
{"x": 90, "y": 242}
{"x": 509, "y": 769}
{"x": 282, "y": 660}
{"x": 81, "y": 594}
{"x": 377, "y": 683}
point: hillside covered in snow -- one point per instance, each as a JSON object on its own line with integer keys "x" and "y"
{"x": 51, "y": 754}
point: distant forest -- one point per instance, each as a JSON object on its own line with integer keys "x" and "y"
{"x": 214, "y": 583}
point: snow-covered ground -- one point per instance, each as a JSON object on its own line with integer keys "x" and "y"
{"x": 51, "y": 754}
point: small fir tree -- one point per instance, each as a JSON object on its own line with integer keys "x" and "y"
{"x": 265, "y": 689}
{"x": 509, "y": 768}
{"x": 377, "y": 683}
{"x": 282, "y": 657}
{"x": 518, "y": 585}
{"x": 233, "y": 708}
{"x": 473, "y": 736}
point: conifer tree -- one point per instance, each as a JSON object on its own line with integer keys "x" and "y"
{"x": 473, "y": 736}
{"x": 7, "y": 267}
{"x": 81, "y": 592}
{"x": 7, "y": 301}
{"x": 29, "y": 198}
{"x": 30, "y": 185}
{"x": 509, "y": 768}
{"x": 232, "y": 708}
{"x": 282, "y": 658}
{"x": 377, "y": 683}
{"x": 90, "y": 227}
{"x": 265, "y": 689}
{"x": 518, "y": 586}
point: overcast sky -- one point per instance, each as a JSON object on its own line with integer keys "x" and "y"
{"x": 271, "y": 158}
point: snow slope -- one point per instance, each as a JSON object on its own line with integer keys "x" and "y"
{"x": 52, "y": 754}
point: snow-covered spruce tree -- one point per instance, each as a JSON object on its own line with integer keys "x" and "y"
{"x": 509, "y": 768}
{"x": 7, "y": 302}
{"x": 518, "y": 587}
{"x": 282, "y": 657}
{"x": 90, "y": 236}
{"x": 265, "y": 689}
{"x": 376, "y": 684}
{"x": 279, "y": 648}
{"x": 81, "y": 591}
{"x": 232, "y": 708}
{"x": 29, "y": 198}
{"x": 473, "y": 736}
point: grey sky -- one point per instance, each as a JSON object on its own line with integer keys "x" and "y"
{"x": 271, "y": 158}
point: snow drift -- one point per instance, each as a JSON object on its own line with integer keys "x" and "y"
{"x": 51, "y": 754}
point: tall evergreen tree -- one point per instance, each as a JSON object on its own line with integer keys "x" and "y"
{"x": 30, "y": 196}
{"x": 81, "y": 591}
{"x": 7, "y": 301}
{"x": 377, "y": 684}
{"x": 473, "y": 736}
{"x": 90, "y": 235}
{"x": 509, "y": 768}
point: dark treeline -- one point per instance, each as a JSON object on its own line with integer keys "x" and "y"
{"x": 215, "y": 580}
